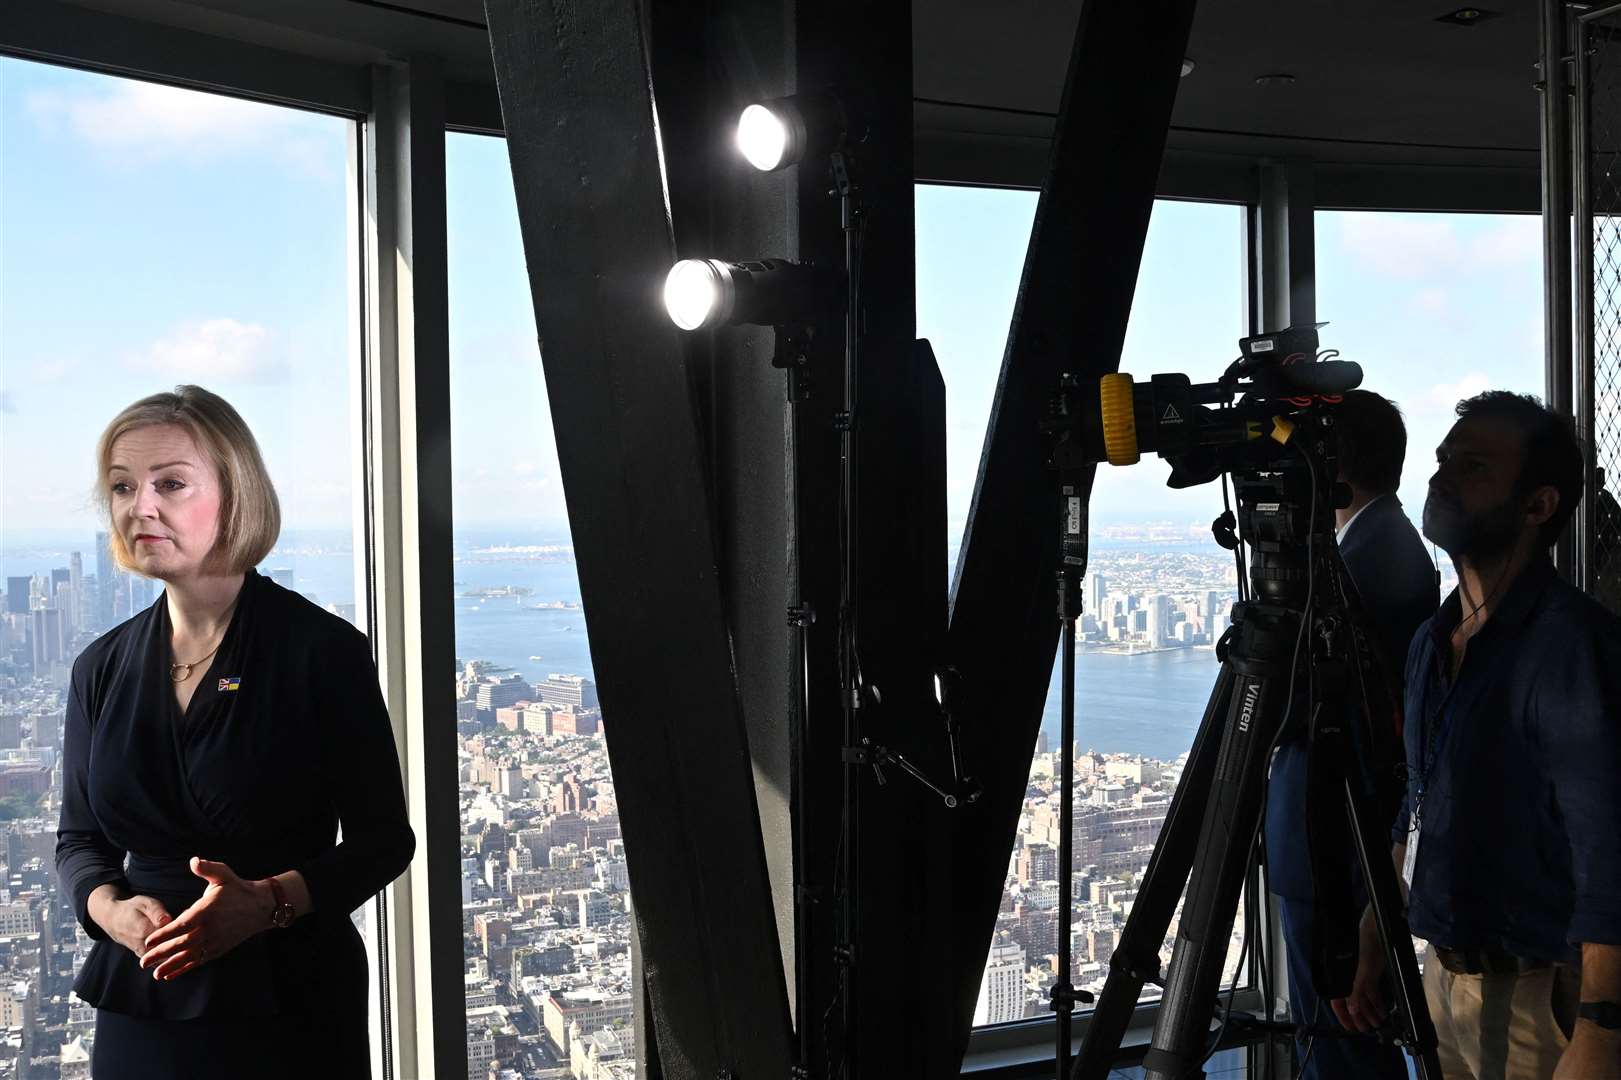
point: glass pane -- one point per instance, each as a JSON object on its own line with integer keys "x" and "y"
{"x": 1436, "y": 308}
{"x": 151, "y": 236}
{"x": 546, "y": 901}
{"x": 1158, "y": 587}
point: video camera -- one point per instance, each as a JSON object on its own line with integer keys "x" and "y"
{"x": 1282, "y": 378}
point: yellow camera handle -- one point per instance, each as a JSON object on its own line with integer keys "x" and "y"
{"x": 1119, "y": 419}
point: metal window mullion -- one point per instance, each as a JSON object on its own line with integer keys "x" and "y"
{"x": 407, "y": 453}
{"x": 1556, "y": 231}
{"x": 1581, "y": 173}
{"x": 379, "y": 1015}
{"x": 1283, "y": 291}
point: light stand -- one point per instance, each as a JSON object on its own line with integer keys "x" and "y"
{"x": 791, "y": 355}
{"x": 1071, "y": 569}
{"x": 854, "y": 754}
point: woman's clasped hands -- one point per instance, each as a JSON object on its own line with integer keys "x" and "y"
{"x": 230, "y": 911}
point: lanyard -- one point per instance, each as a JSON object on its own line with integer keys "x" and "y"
{"x": 1435, "y": 734}
{"x": 1435, "y": 740}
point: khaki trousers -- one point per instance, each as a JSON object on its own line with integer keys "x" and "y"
{"x": 1501, "y": 1027}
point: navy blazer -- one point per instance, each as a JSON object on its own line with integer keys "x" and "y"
{"x": 286, "y": 737}
{"x": 1396, "y": 583}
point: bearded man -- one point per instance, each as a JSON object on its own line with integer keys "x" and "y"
{"x": 1510, "y": 834}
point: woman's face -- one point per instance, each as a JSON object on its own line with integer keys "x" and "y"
{"x": 165, "y": 498}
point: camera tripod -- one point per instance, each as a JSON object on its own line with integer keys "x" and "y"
{"x": 1295, "y": 659}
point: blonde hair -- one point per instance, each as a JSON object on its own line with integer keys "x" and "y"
{"x": 250, "y": 514}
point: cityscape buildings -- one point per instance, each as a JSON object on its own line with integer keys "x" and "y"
{"x": 547, "y": 908}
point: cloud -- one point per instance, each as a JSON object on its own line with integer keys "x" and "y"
{"x": 1433, "y": 302}
{"x": 1414, "y": 246}
{"x": 145, "y": 122}
{"x": 219, "y": 350}
{"x": 1514, "y": 240}
{"x": 1442, "y": 397}
{"x": 1402, "y": 246}
{"x": 53, "y": 371}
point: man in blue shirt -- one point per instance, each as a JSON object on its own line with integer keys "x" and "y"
{"x": 1510, "y": 835}
{"x": 1395, "y": 581}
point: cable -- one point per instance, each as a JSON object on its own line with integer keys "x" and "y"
{"x": 1311, "y": 1045}
{"x": 1311, "y": 1040}
{"x": 1294, "y": 670}
{"x": 1227, "y": 1010}
{"x": 1305, "y": 621}
{"x": 1238, "y": 551}
{"x": 837, "y": 998}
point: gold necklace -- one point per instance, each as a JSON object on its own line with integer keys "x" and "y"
{"x": 179, "y": 673}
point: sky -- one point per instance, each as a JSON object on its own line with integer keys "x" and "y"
{"x": 150, "y": 236}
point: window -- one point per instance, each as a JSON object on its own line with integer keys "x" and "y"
{"x": 1436, "y": 308}
{"x": 1158, "y": 588}
{"x": 151, "y": 236}
{"x": 546, "y": 903}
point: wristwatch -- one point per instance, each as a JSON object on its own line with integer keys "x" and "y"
{"x": 1606, "y": 1014}
{"x": 282, "y": 914}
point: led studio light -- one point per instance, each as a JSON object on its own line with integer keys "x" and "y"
{"x": 700, "y": 294}
{"x": 694, "y": 291}
{"x": 765, "y": 137}
{"x": 781, "y": 132}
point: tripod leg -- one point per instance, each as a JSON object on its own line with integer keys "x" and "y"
{"x": 1231, "y": 818}
{"x": 1136, "y": 958}
{"x": 1417, "y": 1030}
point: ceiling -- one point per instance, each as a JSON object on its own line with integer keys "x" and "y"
{"x": 1377, "y": 84}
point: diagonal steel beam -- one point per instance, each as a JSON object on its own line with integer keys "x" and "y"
{"x": 581, "y": 134}
{"x": 1074, "y": 299}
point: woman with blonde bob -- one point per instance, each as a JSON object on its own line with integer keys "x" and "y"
{"x": 213, "y": 745}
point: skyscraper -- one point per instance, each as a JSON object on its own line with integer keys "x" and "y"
{"x": 1159, "y": 619}
{"x": 1097, "y": 587}
{"x": 67, "y": 602}
{"x": 46, "y": 633}
{"x": 1001, "y": 988}
{"x": 76, "y": 614}
{"x": 106, "y": 581}
{"x": 17, "y": 595}
{"x": 575, "y": 690}
{"x": 47, "y": 729}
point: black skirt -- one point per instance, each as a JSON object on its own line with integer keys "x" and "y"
{"x": 266, "y": 1048}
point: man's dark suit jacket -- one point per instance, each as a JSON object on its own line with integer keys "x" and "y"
{"x": 1395, "y": 580}
{"x": 285, "y": 738}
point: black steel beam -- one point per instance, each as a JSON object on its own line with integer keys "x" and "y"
{"x": 579, "y": 114}
{"x": 709, "y": 61}
{"x": 1074, "y": 300}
